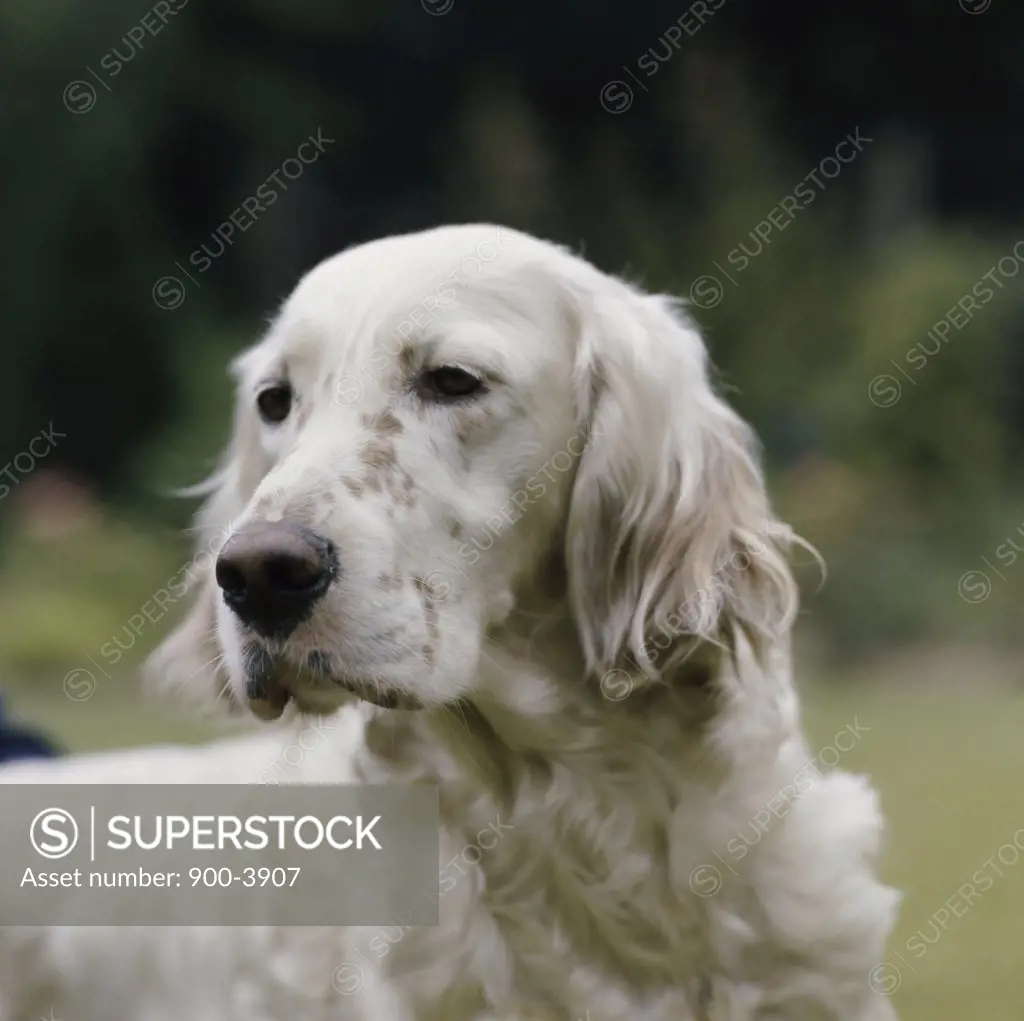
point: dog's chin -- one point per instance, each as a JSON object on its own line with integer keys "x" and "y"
{"x": 273, "y": 683}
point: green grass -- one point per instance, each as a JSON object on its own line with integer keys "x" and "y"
{"x": 116, "y": 715}
{"x": 950, "y": 769}
{"x": 63, "y": 598}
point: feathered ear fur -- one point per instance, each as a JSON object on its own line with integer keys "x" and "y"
{"x": 671, "y": 541}
{"x": 188, "y": 661}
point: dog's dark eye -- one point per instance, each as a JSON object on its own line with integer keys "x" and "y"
{"x": 450, "y": 382}
{"x": 275, "y": 402}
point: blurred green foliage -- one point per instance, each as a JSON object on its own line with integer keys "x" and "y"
{"x": 496, "y": 114}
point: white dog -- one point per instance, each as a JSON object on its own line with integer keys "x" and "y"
{"x": 489, "y": 489}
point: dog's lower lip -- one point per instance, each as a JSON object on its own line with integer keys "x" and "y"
{"x": 268, "y": 702}
{"x": 276, "y": 680}
{"x": 267, "y": 695}
{"x": 386, "y": 698}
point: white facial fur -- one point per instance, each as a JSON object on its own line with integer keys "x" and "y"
{"x": 598, "y": 442}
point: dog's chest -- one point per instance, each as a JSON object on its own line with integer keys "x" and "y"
{"x": 553, "y": 904}
{"x": 538, "y": 925}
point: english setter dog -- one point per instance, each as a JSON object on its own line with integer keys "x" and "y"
{"x": 484, "y": 498}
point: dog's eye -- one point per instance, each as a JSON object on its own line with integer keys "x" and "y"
{"x": 449, "y": 381}
{"x": 275, "y": 402}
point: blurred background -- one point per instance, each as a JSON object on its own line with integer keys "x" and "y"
{"x": 837, "y": 189}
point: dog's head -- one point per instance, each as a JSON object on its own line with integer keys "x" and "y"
{"x": 430, "y": 416}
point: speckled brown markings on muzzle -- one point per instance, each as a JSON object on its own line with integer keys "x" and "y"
{"x": 309, "y": 508}
{"x": 390, "y": 582}
{"x": 429, "y": 597}
{"x": 387, "y": 423}
{"x": 379, "y": 458}
{"x": 378, "y": 694}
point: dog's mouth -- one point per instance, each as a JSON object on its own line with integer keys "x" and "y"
{"x": 315, "y": 686}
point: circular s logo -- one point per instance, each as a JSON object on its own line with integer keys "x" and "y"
{"x": 80, "y": 96}
{"x": 54, "y": 833}
{"x": 79, "y": 685}
{"x": 885, "y": 979}
{"x": 348, "y": 390}
{"x": 439, "y": 584}
{"x": 168, "y": 293}
{"x": 707, "y": 291}
{"x": 616, "y": 96}
{"x": 616, "y": 685}
{"x": 705, "y": 880}
{"x": 347, "y": 979}
{"x": 975, "y": 587}
{"x": 884, "y": 390}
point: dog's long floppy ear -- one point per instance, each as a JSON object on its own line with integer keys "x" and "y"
{"x": 671, "y": 541}
{"x": 187, "y": 662}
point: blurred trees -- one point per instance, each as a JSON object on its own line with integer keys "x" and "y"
{"x": 494, "y": 112}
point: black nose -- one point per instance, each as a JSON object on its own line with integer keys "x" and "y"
{"x": 271, "y": 575}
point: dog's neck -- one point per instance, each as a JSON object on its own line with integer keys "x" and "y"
{"x": 536, "y": 710}
{"x": 589, "y": 792}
